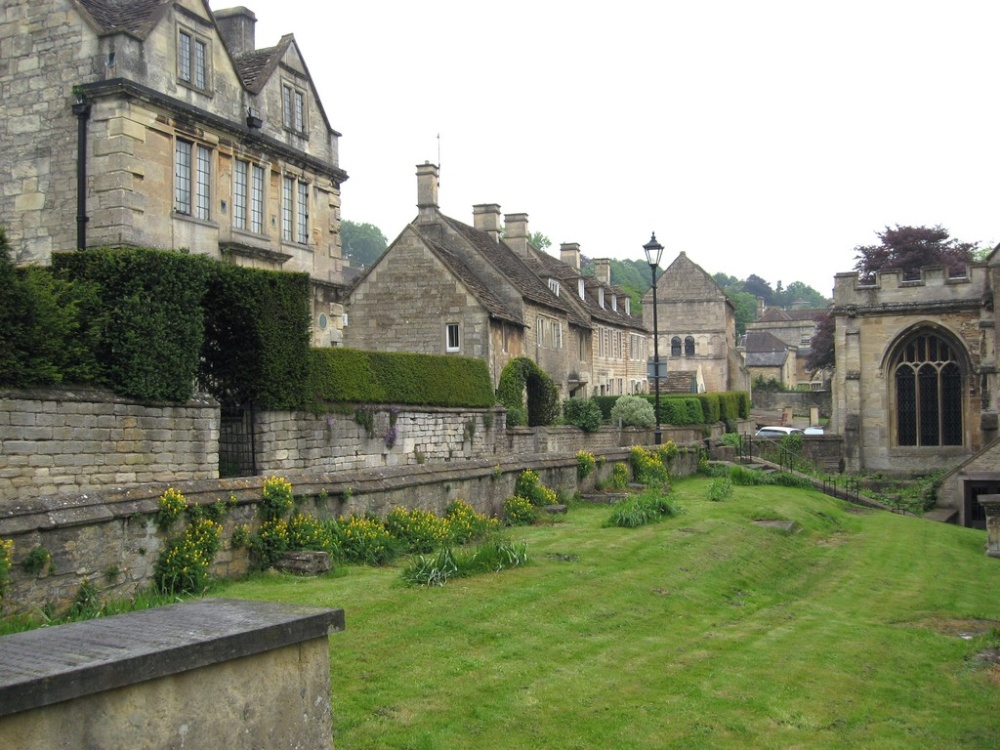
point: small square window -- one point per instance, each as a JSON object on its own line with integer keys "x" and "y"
{"x": 451, "y": 335}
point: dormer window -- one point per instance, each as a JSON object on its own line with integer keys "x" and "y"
{"x": 193, "y": 59}
{"x": 600, "y": 296}
{"x": 628, "y": 306}
{"x": 581, "y": 288}
{"x": 614, "y": 302}
{"x": 293, "y": 109}
{"x": 554, "y": 286}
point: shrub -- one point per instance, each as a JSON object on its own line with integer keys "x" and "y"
{"x": 529, "y": 486}
{"x": 171, "y": 504}
{"x": 464, "y": 524}
{"x": 38, "y": 560}
{"x": 668, "y": 452}
{"x": 307, "y": 532}
{"x": 183, "y": 567}
{"x": 647, "y": 467}
{"x": 632, "y": 411}
{"x": 720, "y": 489}
{"x": 522, "y": 374}
{"x": 585, "y": 464}
{"x": 641, "y": 510}
{"x": 278, "y": 499}
{"x": 365, "y": 539}
{"x": 582, "y": 413}
{"x": 619, "y": 475}
{"x": 416, "y": 530}
{"x": 493, "y": 555}
{"x": 519, "y": 511}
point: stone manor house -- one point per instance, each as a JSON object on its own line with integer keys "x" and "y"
{"x": 159, "y": 123}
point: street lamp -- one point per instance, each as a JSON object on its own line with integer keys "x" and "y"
{"x": 654, "y": 250}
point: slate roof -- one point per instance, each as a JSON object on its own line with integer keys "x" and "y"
{"x": 764, "y": 349}
{"x": 679, "y": 381}
{"x": 777, "y": 315}
{"x": 256, "y": 67}
{"x": 135, "y": 17}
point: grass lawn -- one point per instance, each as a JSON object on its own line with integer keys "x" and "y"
{"x": 703, "y": 631}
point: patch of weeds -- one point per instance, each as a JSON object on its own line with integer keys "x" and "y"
{"x": 37, "y": 561}
{"x": 720, "y": 489}
{"x": 492, "y": 556}
{"x": 649, "y": 507}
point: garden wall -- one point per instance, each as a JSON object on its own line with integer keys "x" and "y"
{"x": 57, "y": 440}
{"x": 799, "y": 401}
{"x": 110, "y": 541}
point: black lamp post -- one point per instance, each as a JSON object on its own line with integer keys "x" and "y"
{"x": 654, "y": 250}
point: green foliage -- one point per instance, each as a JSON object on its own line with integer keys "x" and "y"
{"x": 710, "y": 407}
{"x": 732, "y": 439}
{"x": 348, "y": 375}
{"x": 38, "y": 560}
{"x": 465, "y": 524}
{"x": 519, "y": 511}
{"x": 583, "y": 413}
{"x": 86, "y": 602}
{"x": 720, "y": 489}
{"x": 492, "y": 556}
{"x": 522, "y": 374}
{"x": 529, "y": 486}
{"x": 632, "y": 411}
{"x": 792, "y": 443}
{"x": 256, "y": 337}
{"x": 307, "y": 532}
{"x": 171, "y": 505}
{"x": 647, "y": 466}
{"x": 361, "y": 244}
{"x": 585, "y": 464}
{"x": 6, "y": 560}
{"x": 365, "y": 539}
{"x": 277, "y": 498}
{"x": 640, "y": 510}
{"x": 150, "y": 326}
{"x": 416, "y": 530}
{"x": 619, "y": 475}
{"x": 269, "y": 543}
{"x": 183, "y": 566}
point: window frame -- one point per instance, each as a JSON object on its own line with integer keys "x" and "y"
{"x": 294, "y": 112}
{"x": 193, "y": 71}
{"x": 452, "y": 337}
{"x": 249, "y": 196}
{"x": 193, "y": 179}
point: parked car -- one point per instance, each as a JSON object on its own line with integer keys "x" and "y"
{"x": 814, "y": 431}
{"x": 775, "y": 431}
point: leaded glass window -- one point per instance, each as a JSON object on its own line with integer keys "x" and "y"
{"x": 928, "y": 384}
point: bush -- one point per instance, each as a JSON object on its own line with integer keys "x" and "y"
{"x": 519, "y": 511}
{"x": 619, "y": 475}
{"x": 464, "y": 524}
{"x": 277, "y": 500}
{"x": 530, "y": 487}
{"x": 585, "y": 464}
{"x": 416, "y": 530}
{"x": 365, "y": 539}
{"x": 647, "y": 467}
{"x": 641, "y": 510}
{"x": 183, "y": 567}
{"x": 522, "y": 374}
{"x": 582, "y": 413}
{"x": 632, "y": 411}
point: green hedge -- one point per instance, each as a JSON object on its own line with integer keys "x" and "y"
{"x": 256, "y": 344}
{"x": 339, "y": 375}
{"x": 149, "y": 326}
{"x": 522, "y": 374}
{"x": 701, "y": 408}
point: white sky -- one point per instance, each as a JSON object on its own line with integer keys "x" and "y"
{"x": 759, "y": 137}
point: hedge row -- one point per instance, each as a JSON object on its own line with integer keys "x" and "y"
{"x": 700, "y": 408}
{"x": 353, "y": 376}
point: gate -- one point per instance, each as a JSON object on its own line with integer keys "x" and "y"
{"x": 237, "y": 444}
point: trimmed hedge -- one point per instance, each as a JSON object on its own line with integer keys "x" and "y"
{"x": 339, "y": 375}
{"x": 149, "y": 326}
{"x": 256, "y": 343}
{"x": 701, "y": 408}
{"x": 543, "y": 397}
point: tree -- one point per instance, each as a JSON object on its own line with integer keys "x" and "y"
{"x": 539, "y": 241}
{"x": 744, "y": 310}
{"x": 756, "y": 286}
{"x": 911, "y": 248}
{"x": 821, "y": 346}
{"x": 363, "y": 244}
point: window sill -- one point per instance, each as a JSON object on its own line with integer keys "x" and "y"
{"x": 195, "y": 220}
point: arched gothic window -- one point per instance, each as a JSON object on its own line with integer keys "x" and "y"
{"x": 689, "y": 346}
{"x": 675, "y": 346}
{"x": 928, "y": 393}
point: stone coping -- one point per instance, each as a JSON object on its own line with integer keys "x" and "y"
{"x": 51, "y": 665}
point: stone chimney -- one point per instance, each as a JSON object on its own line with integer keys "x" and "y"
{"x": 427, "y": 192}
{"x": 602, "y": 270}
{"x": 486, "y": 218}
{"x": 569, "y": 253}
{"x": 237, "y": 26}
{"x": 516, "y": 233}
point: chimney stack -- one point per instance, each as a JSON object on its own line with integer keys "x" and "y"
{"x": 602, "y": 270}
{"x": 516, "y": 233}
{"x": 427, "y": 192}
{"x": 486, "y": 218}
{"x": 238, "y": 29}
{"x": 569, "y": 253}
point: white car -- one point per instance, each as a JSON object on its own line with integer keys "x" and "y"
{"x": 814, "y": 431}
{"x": 778, "y": 432}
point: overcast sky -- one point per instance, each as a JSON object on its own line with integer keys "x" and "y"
{"x": 758, "y": 137}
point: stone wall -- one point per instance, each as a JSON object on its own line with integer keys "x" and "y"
{"x": 110, "y": 540}
{"x": 799, "y": 401}
{"x": 77, "y": 440}
{"x": 398, "y": 437}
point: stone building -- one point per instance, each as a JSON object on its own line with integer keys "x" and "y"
{"x": 794, "y": 327}
{"x": 769, "y": 358}
{"x": 915, "y": 386}
{"x": 612, "y": 356}
{"x": 697, "y": 327}
{"x": 446, "y": 287}
{"x": 158, "y": 123}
